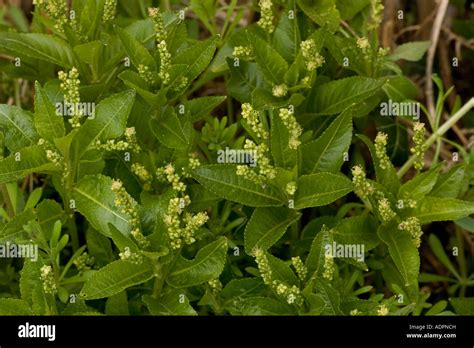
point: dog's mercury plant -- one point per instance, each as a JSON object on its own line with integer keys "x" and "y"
{"x": 236, "y": 163}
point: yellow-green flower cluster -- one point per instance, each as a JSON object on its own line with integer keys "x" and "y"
{"x": 266, "y": 16}
{"x": 130, "y": 142}
{"x": 313, "y": 59}
{"x": 382, "y": 310}
{"x": 110, "y": 7}
{"x": 406, "y": 203}
{"x": 300, "y": 268}
{"x": 244, "y": 52}
{"x": 143, "y": 174}
{"x": 215, "y": 285}
{"x": 57, "y": 10}
{"x": 145, "y": 73}
{"x": 291, "y": 188}
{"x": 376, "y": 7}
{"x": 251, "y": 116}
{"x": 181, "y": 83}
{"x": 291, "y": 294}
{"x": 280, "y": 90}
{"x": 381, "y": 150}
{"x": 169, "y": 174}
{"x": 363, "y": 43}
{"x": 294, "y": 129}
{"x": 263, "y": 266}
{"x": 328, "y": 271}
{"x": 128, "y": 206}
{"x": 419, "y": 149}
{"x": 130, "y": 256}
{"x": 355, "y": 312}
{"x": 49, "y": 282}
{"x": 362, "y": 186}
{"x": 264, "y": 170}
{"x": 160, "y": 36}
{"x": 385, "y": 210}
{"x": 412, "y": 225}
{"x": 84, "y": 262}
{"x": 181, "y": 229}
{"x": 70, "y": 88}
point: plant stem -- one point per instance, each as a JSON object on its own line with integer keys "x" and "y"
{"x": 439, "y": 132}
{"x": 8, "y": 203}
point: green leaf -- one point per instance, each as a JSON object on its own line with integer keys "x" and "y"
{"x": 466, "y": 223}
{"x": 138, "y": 54}
{"x": 222, "y": 180}
{"x": 320, "y": 189}
{"x": 440, "y": 253}
{"x": 267, "y": 226}
{"x": 421, "y": 184}
{"x": 403, "y": 252}
{"x": 442, "y": 209}
{"x": 315, "y": 260}
{"x": 411, "y": 51}
{"x": 326, "y": 154}
{"x": 49, "y": 124}
{"x": 171, "y": 302}
{"x": 449, "y": 184}
{"x": 286, "y": 39}
{"x": 240, "y": 288}
{"x": 335, "y": 96}
{"x": 322, "y": 12}
{"x": 261, "y": 306}
{"x": 109, "y": 122}
{"x": 198, "y": 108}
{"x": 283, "y": 156}
{"x": 349, "y": 8}
{"x": 244, "y": 79}
{"x": 273, "y": 65}
{"x": 38, "y": 46}
{"x": 386, "y": 177}
{"x": 18, "y": 127}
{"x": 208, "y": 264}
{"x": 357, "y": 230}
{"x": 281, "y": 270}
{"x": 94, "y": 199}
{"x": 10, "y": 306}
{"x": 116, "y": 277}
{"x": 168, "y": 130}
{"x": 27, "y": 160}
{"x": 463, "y": 305}
{"x": 330, "y": 298}
{"x": 117, "y": 304}
{"x": 198, "y": 57}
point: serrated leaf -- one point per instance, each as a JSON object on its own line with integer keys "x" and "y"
{"x": 18, "y": 127}
{"x": 315, "y": 260}
{"x": 94, "y": 199}
{"x": 169, "y": 131}
{"x": 109, "y": 122}
{"x": 260, "y": 306}
{"x": 138, "y": 54}
{"x": 240, "y": 288}
{"x": 283, "y": 156}
{"x": 335, "y": 96}
{"x": 357, "y": 230}
{"x": 273, "y": 65}
{"x": 267, "y": 226}
{"x": 27, "y": 160}
{"x": 38, "y": 46}
{"x": 403, "y": 252}
{"x": 222, "y": 180}
{"x": 172, "y": 302}
{"x": 49, "y": 124}
{"x": 449, "y": 184}
{"x": 198, "y": 57}
{"x": 330, "y": 298}
{"x": 11, "y": 306}
{"x": 281, "y": 270}
{"x": 463, "y": 305}
{"x": 286, "y": 39}
{"x": 322, "y": 12}
{"x": 421, "y": 184}
{"x": 411, "y": 51}
{"x": 244, "y": 79}
{"x": 198, "y": 108}
{"x": 117, "y": 304}
{"x": 116, "y": 277}
{"x": 208, "y": 264}
{"x": 442, "y": 209}
{"x": 320, "y": 189}
{"x": 326, "y": 154}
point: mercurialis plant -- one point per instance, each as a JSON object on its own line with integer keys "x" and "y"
{"x": 239, "y": 158}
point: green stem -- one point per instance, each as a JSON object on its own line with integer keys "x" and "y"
{"x": 8, "y": 203}
{"x": 439, "y": 132}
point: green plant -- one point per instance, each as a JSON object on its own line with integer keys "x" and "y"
{"x": 133, "y": 200}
